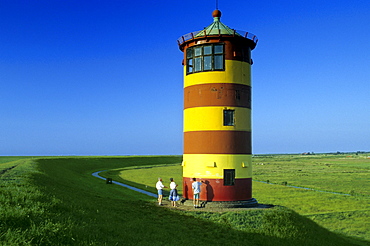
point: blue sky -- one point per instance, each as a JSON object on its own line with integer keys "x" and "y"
{"x": 105, "y": 77}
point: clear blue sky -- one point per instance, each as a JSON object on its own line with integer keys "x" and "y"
{"x": 105, "y": 77}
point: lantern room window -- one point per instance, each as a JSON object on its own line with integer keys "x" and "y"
{"x": 204, "y": 58}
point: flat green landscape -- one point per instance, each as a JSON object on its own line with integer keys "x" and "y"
{"x": 337, "y": 195}
{"x": 56, "y": 201}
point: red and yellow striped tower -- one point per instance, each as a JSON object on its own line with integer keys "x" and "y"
{"x": 217, "y": 113}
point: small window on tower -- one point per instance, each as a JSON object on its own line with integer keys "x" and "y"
{"x": 229, "y": 177}
{"x": 229, "y": 119}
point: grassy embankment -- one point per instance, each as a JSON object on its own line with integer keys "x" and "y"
{"x": 56, "y": 201}
{"x": 345, "y": 214}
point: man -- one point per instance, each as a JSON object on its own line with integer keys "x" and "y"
{"x": 160, "y": 187}
{"x": 196, "y": 192}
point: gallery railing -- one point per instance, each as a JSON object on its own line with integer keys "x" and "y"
{"x": 192, "y": 35}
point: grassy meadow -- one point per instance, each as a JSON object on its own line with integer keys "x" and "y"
{"x": 346, "y": 210}
{"x": 56, "y": 201}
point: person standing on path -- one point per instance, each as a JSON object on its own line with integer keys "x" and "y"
{"x": 196, "y": 192}
{"x": 173, "y": 192}
{"x": 159, "y": 185}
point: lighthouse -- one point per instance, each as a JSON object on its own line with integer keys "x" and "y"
{"x": 217, "y": 114}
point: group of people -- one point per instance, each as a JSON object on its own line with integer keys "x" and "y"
{"x": 173, "y": 193}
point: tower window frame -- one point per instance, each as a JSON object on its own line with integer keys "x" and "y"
{"x": 205, "y": 58}
{"x": 229, "y": 177}
{"x": 229, "y": 117}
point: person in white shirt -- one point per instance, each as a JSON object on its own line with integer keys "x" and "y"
{"x": 173, "y": 192}
{"x": 159, "y": 185}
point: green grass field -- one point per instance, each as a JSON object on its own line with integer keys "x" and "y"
{"x": 349, "y": 215}
{"x": 56, "y": 201}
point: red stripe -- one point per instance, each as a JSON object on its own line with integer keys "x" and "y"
{"x": 217, "y": 94}
{"x": 217, "y": 142}
{"x": 214, "y": 190}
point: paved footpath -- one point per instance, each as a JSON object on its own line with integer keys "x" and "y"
{"x": 96, "y": 174}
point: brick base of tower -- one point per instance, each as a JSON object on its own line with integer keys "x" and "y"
{"x": 214, "y": 190}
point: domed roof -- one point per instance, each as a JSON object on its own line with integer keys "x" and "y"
{"x": 217, "y": 27}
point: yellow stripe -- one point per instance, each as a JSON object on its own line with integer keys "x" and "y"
{"x": 212, "y": 166}
{"x": 211, "y": 118}
{"x": 235, "y": 72}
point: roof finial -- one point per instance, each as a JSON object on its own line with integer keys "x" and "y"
{"x": 216, "y": 13}
{"x": 216, "y": 4}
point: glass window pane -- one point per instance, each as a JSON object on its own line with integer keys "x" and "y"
{"x": 198, "y": 51}
{"x": 189, "y": 65}
{"x": 198, "y": 64}
{"x": 219, "y": 62}
{"x": 208, "y": 63}
{"x": 189, "y": 53}
{"x": 190, "y": 62}
{"x": 219, "y": 49}
{"x": 207, "y": 50}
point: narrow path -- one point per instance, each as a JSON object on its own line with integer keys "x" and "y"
{"x": 96, "y": 174}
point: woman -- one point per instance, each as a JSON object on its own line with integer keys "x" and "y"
{"x": 173, "y": 192}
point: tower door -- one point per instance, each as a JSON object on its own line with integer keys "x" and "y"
{"x": 229, "y": 177}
